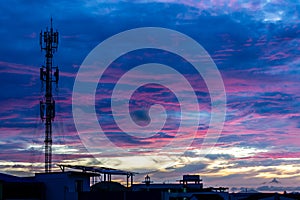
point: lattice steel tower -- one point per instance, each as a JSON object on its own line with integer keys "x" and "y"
{"x": 48, "y": 76}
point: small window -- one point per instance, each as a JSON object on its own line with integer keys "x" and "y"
{"x": 79, "y": 185}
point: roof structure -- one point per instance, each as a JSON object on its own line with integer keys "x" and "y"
{"x": 11, "y": 178}
{"x": 101, "y": 170}
{"x": 106, "y": 172}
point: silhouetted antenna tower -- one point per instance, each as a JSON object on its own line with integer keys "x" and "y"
{"x": 48, "y": 75}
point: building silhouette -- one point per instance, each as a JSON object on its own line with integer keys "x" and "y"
{"x": 84, "y": 183}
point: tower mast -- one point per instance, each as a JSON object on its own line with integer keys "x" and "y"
{"x": 48, "y": 76}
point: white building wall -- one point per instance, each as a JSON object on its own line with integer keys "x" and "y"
{"x": 62, "y": 186}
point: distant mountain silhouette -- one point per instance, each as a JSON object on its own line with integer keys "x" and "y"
{"x": 273, "y": 185}
{"x": 274, "y": 181}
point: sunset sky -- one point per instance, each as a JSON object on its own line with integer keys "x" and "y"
{"x": 255, "y": 46}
